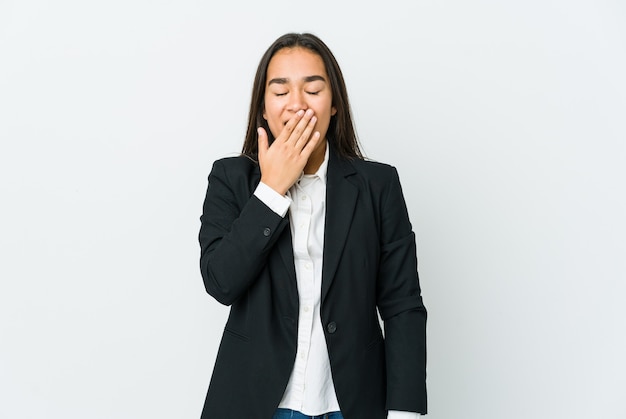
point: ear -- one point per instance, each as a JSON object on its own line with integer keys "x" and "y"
{"x": 333, "y": 111}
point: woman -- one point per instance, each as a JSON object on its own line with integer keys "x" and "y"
{"x": 306, "y": 240}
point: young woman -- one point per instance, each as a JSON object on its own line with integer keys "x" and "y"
{"x": 307, "y": 242}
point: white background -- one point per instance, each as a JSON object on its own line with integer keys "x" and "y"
{"x": 506, "y": 121}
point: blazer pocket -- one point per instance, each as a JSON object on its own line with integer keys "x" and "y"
{"x": 236, "y": 335}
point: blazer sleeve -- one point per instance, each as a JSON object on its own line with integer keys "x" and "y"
{"x": 400, "y": 305}
{"x": 237, "y": 231}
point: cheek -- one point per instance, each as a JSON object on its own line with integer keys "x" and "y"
{"x": 325, "y": 107}
{"x": 269, "y": 107}
{"x": 274, "y": 121}
{"x": 324, "y": 113}
{"x": 271, "y": 111}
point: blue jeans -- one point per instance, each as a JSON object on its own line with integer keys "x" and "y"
{"x": 292, "y": 414}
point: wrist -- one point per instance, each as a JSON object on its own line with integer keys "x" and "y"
{"x": 278, "y": 187}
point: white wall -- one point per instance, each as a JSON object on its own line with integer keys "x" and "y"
{"x": 506, "y": 121}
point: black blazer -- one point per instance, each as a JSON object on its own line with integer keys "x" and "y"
{"x": 369, "y": 262}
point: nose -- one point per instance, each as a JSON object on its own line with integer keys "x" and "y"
{"x": 297, "y": 101}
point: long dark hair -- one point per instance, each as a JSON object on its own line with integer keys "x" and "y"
{"x": 341, "y": 133}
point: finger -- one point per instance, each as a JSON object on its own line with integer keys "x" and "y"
{"x": 285, "y": 134}
{"x": 311, "y": 144}
{"x": 306, "y": 134}
{"x": 262, "y": 142}
{"x": 301, "y": 126}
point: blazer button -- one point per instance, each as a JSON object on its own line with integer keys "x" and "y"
{"x": 332, "y": 327}
{"x": 266, "y": 231}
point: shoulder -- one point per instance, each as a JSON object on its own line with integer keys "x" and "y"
{"x": 239, "y": 162}
{"x": 374, "y": 170}
{"x": 241, "y": 173}
{"x": 235, "y": 166}
{"x": 375, "y": 179}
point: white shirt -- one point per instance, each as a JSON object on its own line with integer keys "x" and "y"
{"x": 310, "y": 389}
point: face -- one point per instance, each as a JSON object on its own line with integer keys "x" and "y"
{"x": 297, "y": 79}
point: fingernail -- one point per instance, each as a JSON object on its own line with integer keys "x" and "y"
{"x": 314, "y": 119}
{"x": 309, "y": 112}
{"x": 300, "y": 112}
{"x": 258, "y": 131}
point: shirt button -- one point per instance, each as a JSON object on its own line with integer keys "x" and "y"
{"x": 332, "y": 327}
{"x": 308, "y": 266}
{"x": 304, "y": 198}
{"x": 306, "y": 309}
{"x": 266, "y": 231}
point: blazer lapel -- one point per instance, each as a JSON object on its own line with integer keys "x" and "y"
{"x": 341, "y": 197}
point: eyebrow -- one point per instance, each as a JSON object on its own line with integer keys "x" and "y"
{"x": 307, "y": 79}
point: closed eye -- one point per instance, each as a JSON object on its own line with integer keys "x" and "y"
{"x": 313, "y": 93}
{"x": 280, "y": 94}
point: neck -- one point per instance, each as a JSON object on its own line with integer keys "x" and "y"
{"x": 315, "y": 159}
